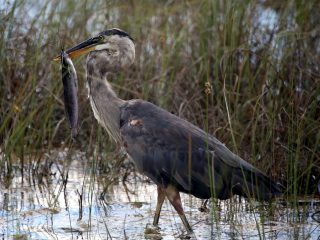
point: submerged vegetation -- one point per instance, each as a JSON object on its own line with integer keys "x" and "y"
{"x": 247, "y": 72}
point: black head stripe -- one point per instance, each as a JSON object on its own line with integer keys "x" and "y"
{"x": 115, "y": 31}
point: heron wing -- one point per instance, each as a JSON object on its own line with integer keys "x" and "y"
{"x": 170, "y": 150}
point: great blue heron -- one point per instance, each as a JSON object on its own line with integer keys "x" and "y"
{"x": 173, "y": 153}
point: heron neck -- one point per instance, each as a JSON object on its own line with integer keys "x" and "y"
{"x": 105, "y": 103}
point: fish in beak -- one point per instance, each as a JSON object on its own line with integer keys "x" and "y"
{"x": 70, "y": 89}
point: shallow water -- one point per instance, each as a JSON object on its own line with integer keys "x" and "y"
{"x": 48, "y": 207}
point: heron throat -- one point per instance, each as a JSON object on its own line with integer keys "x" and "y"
{"x": 104, "y": 102}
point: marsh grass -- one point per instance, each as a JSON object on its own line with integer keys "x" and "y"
{"x": 261, "y": 59}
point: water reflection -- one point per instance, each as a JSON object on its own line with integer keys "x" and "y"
{"x": 68, "y": 205}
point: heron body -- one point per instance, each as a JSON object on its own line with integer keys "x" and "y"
{"x": 172, "y": 151}
{"x": 175, "y": 154}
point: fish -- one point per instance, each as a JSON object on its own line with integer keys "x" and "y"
{"x": 70, "y": 90}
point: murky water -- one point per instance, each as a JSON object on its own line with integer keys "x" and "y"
{"x": 67, "y": 204}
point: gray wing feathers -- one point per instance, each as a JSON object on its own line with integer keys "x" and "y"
{"x": 169, "y": 149}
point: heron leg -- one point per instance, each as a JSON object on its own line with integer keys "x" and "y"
{"x": 161, "y": 197}
{"x": 173, "y": 195}
{"x": 203, "y": 207}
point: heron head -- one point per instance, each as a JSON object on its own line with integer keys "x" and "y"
{"x": 112, "y": 49}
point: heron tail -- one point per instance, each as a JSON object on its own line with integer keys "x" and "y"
{"x": 254, "y": 185}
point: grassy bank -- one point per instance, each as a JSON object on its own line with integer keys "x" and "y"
{"x": 260, "y": 60}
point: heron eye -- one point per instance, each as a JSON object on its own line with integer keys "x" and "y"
{"x": 108, "y": 51}
{"x": 111, "y": 51}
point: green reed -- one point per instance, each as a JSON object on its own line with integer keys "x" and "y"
{"x": 263, "y": 70}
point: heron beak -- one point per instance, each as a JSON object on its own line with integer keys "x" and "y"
{"x": 81, "y": 48}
